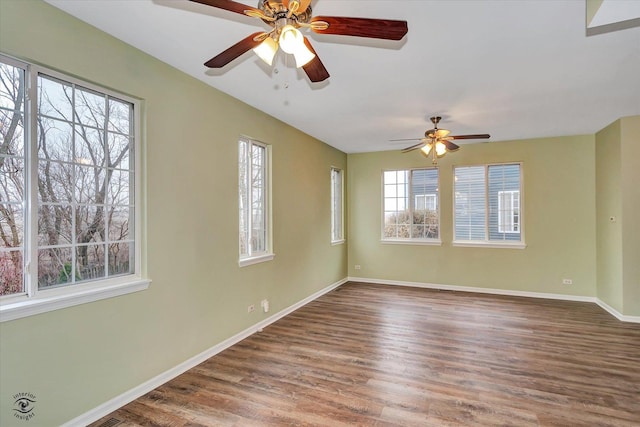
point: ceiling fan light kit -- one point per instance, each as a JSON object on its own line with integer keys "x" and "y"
{"x": 437, "y": 142}
{"x": 267, "y": 50}
{"x": 286, "y": 17}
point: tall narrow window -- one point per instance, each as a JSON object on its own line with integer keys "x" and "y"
{"x": 254, "y": 206}
{"x": 12, "y": 179}
{"x": 488, "y": 204}
{"x": 410, "y": 205}
{"x": 68, "y": 185}
{"x": 337, "y": 211}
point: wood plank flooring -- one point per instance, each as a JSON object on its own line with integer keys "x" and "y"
{"x": 376, "y": 355}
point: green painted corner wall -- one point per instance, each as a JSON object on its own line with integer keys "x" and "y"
{"x": 608, "y": 205}
{"x": 559, "y": 220}
{"x": 630, "y": 153}
{"x": 617, "y": 212}
{"x": 78, "y": 358}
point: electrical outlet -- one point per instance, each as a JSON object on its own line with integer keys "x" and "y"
{"x": 251, "y": 308}
{"x": 357, "y": 267}
{"x": 567, "y": 282}
{"x": 265, "y": 305}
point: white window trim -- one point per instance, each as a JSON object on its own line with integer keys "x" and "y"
{"x": 56, "y": 299}
{"x": 410, "y": 241}
{"x": 257, "y": 259}
{"x": 492, "y": 243}
{"x": 420, "y": 242}
{"x": 267, "y": 254}
{"x": 341, "y": 240}
{"x": 34, "y": 301}
{"x": 488, "y": 244}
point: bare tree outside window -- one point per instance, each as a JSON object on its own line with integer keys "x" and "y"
{"x": 252, "y": 192}
{"x": 410, "y": 205}
{"x": 85, "y": 169}
{"x": 85, "y": 209}
{"x": 12, "y": 179}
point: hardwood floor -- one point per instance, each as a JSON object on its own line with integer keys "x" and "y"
{"x": 375, "y": 355}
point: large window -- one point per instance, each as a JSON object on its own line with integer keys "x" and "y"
{"x": 254, "y": 202}
{"x": 488, "y": 204}
{"x": 410, "y": 205}
{"x": 68, "y": 186}
{"x": 337, "y": 202}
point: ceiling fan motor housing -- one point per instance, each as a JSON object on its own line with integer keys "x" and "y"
{"x": 276, "y": 9}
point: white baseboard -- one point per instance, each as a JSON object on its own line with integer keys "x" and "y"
{"x": 142, "y": 389}
{"x": 615, "y": 313}
{"x": 477, "y": 290}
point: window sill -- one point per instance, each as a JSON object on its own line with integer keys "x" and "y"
{"x": 499, "y": 245}
{"x": 432, "y": 242}
{"x": 243, "y": 262}
{"x": 56, "y": 299}
{"x": 337, "y": 242}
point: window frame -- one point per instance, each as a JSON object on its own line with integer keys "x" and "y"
{"x": 520, "y": 244}
{"x": 411, "y": 198}
{"x": 337, "y": 233}
{"x": 266, "y": 254}
{"x": 34, "y": 300}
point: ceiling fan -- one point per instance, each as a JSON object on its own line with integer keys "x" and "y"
{"x": 437, "y": 142}
{"x": 285, "y": 17}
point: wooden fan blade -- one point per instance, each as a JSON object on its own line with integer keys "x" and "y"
{"x": 450, "y": 145}
{"x": 234, "y": 51}
{"x": 477, "y": 136}
{"x": 413, "y": 147}
{"x": 229, "y": 5}
{"x": 362, "y": 27}
{"x": 315, "y": 68}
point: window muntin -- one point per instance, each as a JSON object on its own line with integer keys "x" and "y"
{"x": 410, "y": 205}
{"x": 488, "y": 203}
{"x": 337, "y": 203}
{"x": 254, "y": 214}
{"x": 68, "y": 190}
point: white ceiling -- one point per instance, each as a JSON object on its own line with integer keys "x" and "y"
{"x": 515, "y": 69}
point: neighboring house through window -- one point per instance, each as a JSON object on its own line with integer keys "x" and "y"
{"x": 488, "y": 204}
{"x": 254, "y": 202}
{"x": 68, "y": 190}
{"x": 509, "y": 211}
{"x": 410, "y": 206}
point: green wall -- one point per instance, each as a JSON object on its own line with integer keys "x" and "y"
{"x": 608, "y": 205}
{"x": 618, "y": 195}
{"x": 78, "y": 358}
{"x": 559, "y": 220}
{"x": 631, "y": 214}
